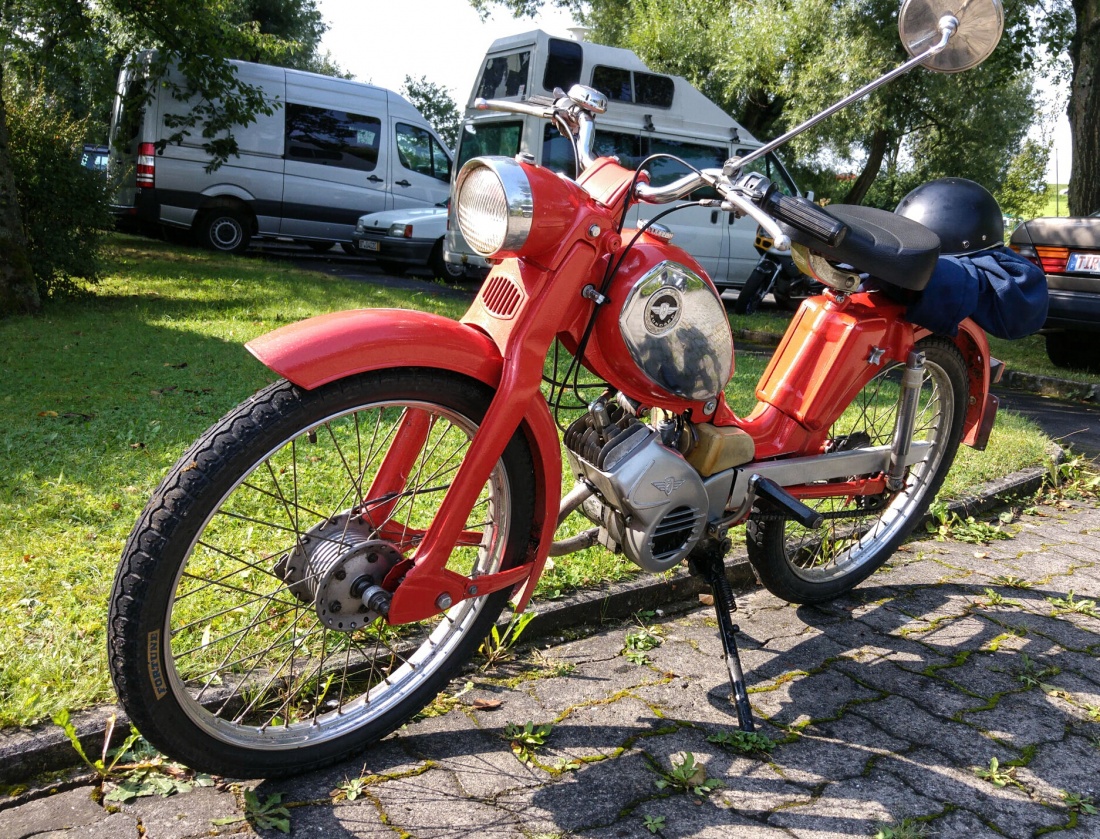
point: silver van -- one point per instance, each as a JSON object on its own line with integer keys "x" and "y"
{"x": 648, "y": 113}
{"x": 332, "y": 150}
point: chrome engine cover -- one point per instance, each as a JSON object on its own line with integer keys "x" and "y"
{"x": 654, "y": 505}
{"x": 676, "y": 329}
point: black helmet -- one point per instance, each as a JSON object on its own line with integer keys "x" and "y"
{"x": 964, "y": 214}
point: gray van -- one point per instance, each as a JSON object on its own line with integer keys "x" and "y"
{"x": 648, "y": 113}
{"x": 332, "y": 150}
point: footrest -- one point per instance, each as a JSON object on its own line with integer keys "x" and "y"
{"x": 775, "y": 494}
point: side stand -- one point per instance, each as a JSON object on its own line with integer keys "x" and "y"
{"x": 708, "y": 563}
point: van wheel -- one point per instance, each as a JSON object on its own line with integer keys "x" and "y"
{"x": 224, "y": 229}
{"x": 395, "y": 269}
{"x": 443, "y": 269}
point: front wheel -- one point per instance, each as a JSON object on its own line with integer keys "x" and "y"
{"x": 756, "y": 287}
{"x": 860, "y": 533}
{"x": 441, "y": 268}
{"x": 238, "y": 640}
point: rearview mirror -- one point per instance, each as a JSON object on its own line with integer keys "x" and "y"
{"x": 980, "y": 23}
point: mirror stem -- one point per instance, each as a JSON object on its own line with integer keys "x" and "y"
{"x": 948, "y": 25}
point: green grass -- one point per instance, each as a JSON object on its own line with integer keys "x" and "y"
{"x": 101, "y": 395}
{"x": 1057, "y": 203}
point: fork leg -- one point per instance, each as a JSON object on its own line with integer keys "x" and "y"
{"x": 710, "y": 567}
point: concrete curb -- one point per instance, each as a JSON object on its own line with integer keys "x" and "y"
{"x": 25, "y": 753}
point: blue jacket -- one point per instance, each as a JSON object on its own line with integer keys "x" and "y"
{"x": 1004, "y": 293}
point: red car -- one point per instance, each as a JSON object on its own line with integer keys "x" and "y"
{"x": 1068, "y": 250}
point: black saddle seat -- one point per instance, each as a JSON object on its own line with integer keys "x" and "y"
{"x": 892, "y": 248}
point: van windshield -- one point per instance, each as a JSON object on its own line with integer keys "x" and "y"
{"x": 485, "y": 138}
{"x": 504, "y": 76}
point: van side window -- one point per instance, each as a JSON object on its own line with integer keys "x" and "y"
{"x": 770, "y": 167}
{"x": 613, "y": 83}
{"x": 664, "y": 171}
{"x": 332, "y": 138}
{"x": 564, "y": 60}
{"x": 504, "y": 76}
{"x": 418, "y": 151}
{"x": 651, "y": 89}
{"x": 635, "y": 87}
{"x": 557, "y": 152}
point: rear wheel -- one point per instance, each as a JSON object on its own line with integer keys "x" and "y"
{"x": 239, "y": 643}
{"x": 801, "y": 565}
{"x": 224, "y": 229}
{"x": 1073, "y": 350}
{"x": 756, "y": 287}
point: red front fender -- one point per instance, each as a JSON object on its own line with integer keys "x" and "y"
{"x": 320, "y": 350}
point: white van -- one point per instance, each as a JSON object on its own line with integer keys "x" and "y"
{"x": 647, "y": 113}
{"x": 331, "y": 151}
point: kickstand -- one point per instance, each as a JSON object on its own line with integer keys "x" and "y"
{"x": 710, "y": 566}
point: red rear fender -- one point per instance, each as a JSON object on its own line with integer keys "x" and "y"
{"x": 319, "y": 350}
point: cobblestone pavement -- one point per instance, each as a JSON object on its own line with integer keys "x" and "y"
{"x": 955, "y": 693}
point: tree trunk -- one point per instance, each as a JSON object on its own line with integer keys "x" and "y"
{"x": 1084, "y": 109}
{"x": 870, "y": 171}
{"x": 18, "y": 290}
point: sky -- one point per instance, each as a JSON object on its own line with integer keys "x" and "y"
{"x": 382, "y": 41}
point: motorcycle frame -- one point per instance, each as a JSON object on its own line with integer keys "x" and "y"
{"x": 834, "y": 345}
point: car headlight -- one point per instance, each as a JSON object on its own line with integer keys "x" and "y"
{"x": 495, "y": 205}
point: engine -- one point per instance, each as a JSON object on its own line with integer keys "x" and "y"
{"x": 650, "y": 502}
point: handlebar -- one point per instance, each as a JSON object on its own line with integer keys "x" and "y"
{"x": 806, "y": 216}
{"x": 750, "y": 195}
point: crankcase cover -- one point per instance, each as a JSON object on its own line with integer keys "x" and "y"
{"x": 661, "y": 501}
{"x": 676, "y": 329}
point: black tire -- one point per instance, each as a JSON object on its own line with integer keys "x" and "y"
{"x": 208, "y": 587}
{"x": 441, "y": 268}
{"x": 224, "y": 229}
{"x": 396, "y": 269}
{"x": 1073, "y": 350}
{"x": 812, "y": 566}
{"x": 756, "y": 287}
{"x": 349, "y": 249}
{"x": 319, "y": 247}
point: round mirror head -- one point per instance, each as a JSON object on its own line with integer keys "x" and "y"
{"x": 980, "y": 26}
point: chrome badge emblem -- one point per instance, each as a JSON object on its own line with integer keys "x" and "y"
{"x": 663, "y": 311}
{"x": 668, "y": 486}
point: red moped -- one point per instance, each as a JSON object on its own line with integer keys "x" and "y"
{"x": 321, "y": 563}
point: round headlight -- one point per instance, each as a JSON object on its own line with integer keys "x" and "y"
{"x": 495, "y": 205}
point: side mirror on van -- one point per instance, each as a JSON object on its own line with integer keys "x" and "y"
{"x": 810, "y": 195}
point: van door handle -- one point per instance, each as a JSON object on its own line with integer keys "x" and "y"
{"x": 714, "y": 217}
{"x": 403, "y": 183}
{"x": 374, "y": 179}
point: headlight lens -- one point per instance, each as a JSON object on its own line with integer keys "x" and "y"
{"x": 495, "y": 205}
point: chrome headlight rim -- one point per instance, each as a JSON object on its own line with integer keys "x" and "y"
{"x": 514, "y": 206}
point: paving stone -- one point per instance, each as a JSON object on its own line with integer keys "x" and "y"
{"x": 944, "y": 779}
{"x": 590, "y": 799}
{"x": 71, "y": 810}
{"x": 1021, "y": 720}
{"x": 810, "y": 696}
{"x": 853, "y": 808}
{"x": 905, "y": 720}
{"x": 436, "y": 804}
{"x": 183, "y": 815}
{"x": 834, "y": 750}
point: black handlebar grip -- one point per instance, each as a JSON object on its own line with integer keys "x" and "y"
{"x": 808, "y": 217}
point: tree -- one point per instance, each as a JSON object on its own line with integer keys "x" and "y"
{"x": 1084, "y": 108}
{"x": 1024, "y": 191}
{"x": 438, "y": 106}
{"x": 72, "y": 50}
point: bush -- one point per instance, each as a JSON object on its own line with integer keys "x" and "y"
{"x": 64, "y": 205}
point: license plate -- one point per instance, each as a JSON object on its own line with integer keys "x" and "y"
{"x": 1084, "y": 262}
{"x": 368, "y": 245}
